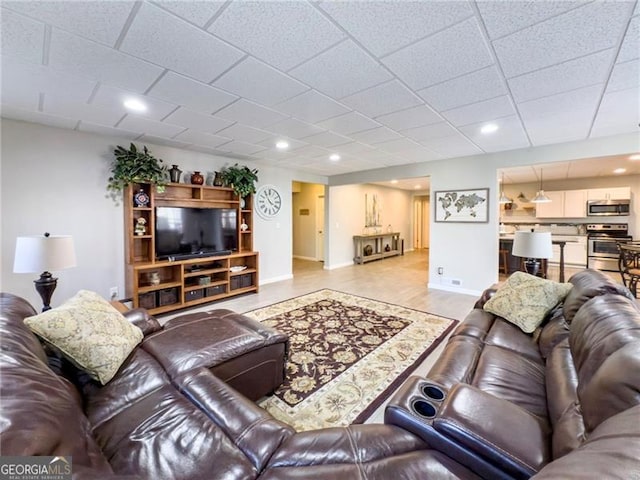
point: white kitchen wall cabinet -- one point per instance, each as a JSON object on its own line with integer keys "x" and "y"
{"x": 615, "y": 193}
{"x": 564, "y": 204}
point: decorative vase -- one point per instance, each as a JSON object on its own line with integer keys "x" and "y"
{"x": 174, "y": 174}
{"x": 217, "y": 179}
{"x": 197, "y": 178}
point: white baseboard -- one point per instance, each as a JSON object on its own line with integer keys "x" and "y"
{"x": 339, "y": 265}
{"x": 449, "y": 288}
{"x": 276, "y": 279}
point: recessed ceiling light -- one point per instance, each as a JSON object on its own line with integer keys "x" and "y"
{"x": 416, "y": 187}
{"x": 282, "y": 145}
{"x": 489, "y": 128}
{"x": 635, "y": 156}
{"x": 334, "y": 157}
{"x": 620, "y": 170}
{"x": 394, "y": 181}
{"x": 135, "y": 105}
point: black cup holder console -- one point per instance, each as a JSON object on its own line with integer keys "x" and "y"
{"x": 423, "y": 408}
{"x": 433, "y": 392}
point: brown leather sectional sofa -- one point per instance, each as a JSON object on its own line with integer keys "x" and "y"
{"x": 579, "y": 382}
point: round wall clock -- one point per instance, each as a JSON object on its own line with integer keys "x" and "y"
{"x": 268, "y": 201}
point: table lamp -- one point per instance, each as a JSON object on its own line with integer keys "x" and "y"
{"x": 533, "y": 246}
{"x": 42, "y": 253}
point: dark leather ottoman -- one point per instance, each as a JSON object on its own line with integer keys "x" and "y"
{"x": 242, "y": 352}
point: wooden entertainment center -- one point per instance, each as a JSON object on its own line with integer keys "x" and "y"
{"x": 163, "y": 285}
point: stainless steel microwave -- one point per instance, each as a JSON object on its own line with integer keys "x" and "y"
{"x": 599, "y": 208}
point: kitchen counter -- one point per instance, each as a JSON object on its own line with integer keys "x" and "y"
{"x": 514, "y": 263}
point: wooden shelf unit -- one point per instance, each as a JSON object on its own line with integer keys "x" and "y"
{"x": 378, "y": 243}
{"x": 189, "y": 282}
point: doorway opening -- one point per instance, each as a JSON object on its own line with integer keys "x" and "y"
{"x": 308, "y": 226}
{"x": 421, "y": 211}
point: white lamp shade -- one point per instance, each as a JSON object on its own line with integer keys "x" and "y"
{"x": 37, "y": 253}
{"x": 532, "y": 245}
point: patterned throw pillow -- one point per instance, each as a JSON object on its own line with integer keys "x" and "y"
{"x": 525, "y": 300}
{"x": 90, "y": 332}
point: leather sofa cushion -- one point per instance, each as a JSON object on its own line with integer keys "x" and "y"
{"x": 554, "y": 332}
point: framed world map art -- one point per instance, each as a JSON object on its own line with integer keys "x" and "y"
{"x": 462, "y": 206}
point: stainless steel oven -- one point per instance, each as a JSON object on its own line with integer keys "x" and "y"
{"x": 602, "y": 245}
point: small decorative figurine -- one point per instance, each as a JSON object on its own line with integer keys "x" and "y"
{"x": 141, "y": 198}
{"x": 141, "y": 226}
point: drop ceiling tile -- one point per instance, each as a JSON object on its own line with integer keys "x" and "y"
{"x": 349, "y": 123}
{"x": 256, "y": 81}
{"x": 244, "y": 133}
{"x": 510, "y": 135}
{"x": 480, "y": 112}
{"x": 199, "y": 138}
{"x": 429, "y": 61}
{"x": 376, "y": 135}
{"x": 327, "y": 139}
{"x": 382, "y": 99}
{"x": 429, "y": 132}
{"x": 354, "y": 148}
{"x": 84, "y": 58}
{"x": 177, "y": 45}
{"x": 81, "y": 111}
{"x": 21, "y": 36}
{"x": 624, "y": 76}
{"x": 310, "y": 151}
{"x": 418, "y": 155}
{"x": 98, "y": 21}
{"x": 250, "y": 114}
{"x": 586, "y": 98}
{"x": 283, "y": 34}
{"x": 201, "y": 122}
{"x": 563, "y": 77}
{"x": 341, "y": 71}
{"x": 114, "y": 98}
{"x": 17, "y": 96}
{"x": 629, "y": 49}
{"x": 383, "y": 27}
{"x": 107, "y": 131}
{"x": 193, "y": 11}
{"x": 294, "y": 145}
{"x": 452, "y": 146}
{"x": 242, "y": 148}
{"x": 8, "y": 111}
{"x": 163, "y": 141}
{"x": 192, "y": 94}
{"x": 149, "y": 127}
{"x": 470, "y": 88}
{"x": 294, "y": 128}
{"x": 395, "y": 146}
{"x": 503, "y": 18}
{"x": 619, "y": 112}
{"x": 410, "y": 118}
{"x": 312, "y": 107}
{"x": 588, "y": 29}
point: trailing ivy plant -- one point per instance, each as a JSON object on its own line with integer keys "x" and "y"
{"x": 241, "y": 179}
{"x": 136, "y": 166}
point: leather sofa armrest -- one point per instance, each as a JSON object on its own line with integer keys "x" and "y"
{"x": 141, "y": 319}
{"x": 486, "y": 295}
{"x": 500, "y": 431}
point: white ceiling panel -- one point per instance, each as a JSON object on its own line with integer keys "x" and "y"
{"x": 19, "y": 97}
{"x": 107, "y": 131}
{"x": 164, "y": 141}
{"x": 395, "y": 146}
{"x": 149, "y": 127}
{"x": 376, "y": 135}
{"x": 429, "y": 61}
{"x": 309, "y": 151}
{"x": 242, "y": 148}
{"x": 410, "y": 118}
{"x": 84, "y": 58}
{"x": 199, "y": 138}
{"x": 549, "y": 107}
{"x": 619, "y": 113}
{"x": 452, "y": 146}
{"x": 341, "y": 71}
{"x": 326, "y": 139}
{"x": 428, "y": 132}
{"x": 113, "y": 97}
{"x": 630, "y": 49}
{"x": 9, "y": 111}
{"x": 295, "y": 128}
{"x": 21, "y": 36}
{"x": 563, "y": 77}
{"x": 349, "y": 123}
{"x": 193, "y": 11}
{"x": 624, "y": 76}
{"x": 250, "y": 114}
{"x": 261, "y": 83}
{"x": 178, "y": 45}
{"x": 481, "y": 111}
{"x": 354, "y": 148}
{"x": 98, "y": 21}
{"x": 192, "y": 94}
{"x": 588, "y": 29}
{"x": 246, "y": 134}
{"x": 509, "y": 136}
{"x": 197, "y": 121}
{"x": 382, "y": 99}
{"x": 283, "y": 34}
{"x": 312, "y": 106}
{"x": 81, "y": 111}
{"x": 470, "y": 88}
{"x": 418, "y": 155}
{"x": 384, "y": 27}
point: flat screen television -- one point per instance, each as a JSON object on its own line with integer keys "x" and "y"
{"x": 184, "y": 231}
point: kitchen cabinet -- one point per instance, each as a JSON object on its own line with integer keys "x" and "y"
{"x": 564, "y": 204}
{"x": 616, "y": 193}
{"x": 575, "y": 251}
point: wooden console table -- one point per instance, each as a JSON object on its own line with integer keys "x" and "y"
{"x": 378, "y": 243}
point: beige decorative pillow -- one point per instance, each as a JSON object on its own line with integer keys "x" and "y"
{"x": 525, "y": 300}
{"x": 90, "y": 332}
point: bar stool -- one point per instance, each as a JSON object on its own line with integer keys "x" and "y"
{"x": 504, "y": 266}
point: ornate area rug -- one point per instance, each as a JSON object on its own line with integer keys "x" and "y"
{"x": 347, "y": 354}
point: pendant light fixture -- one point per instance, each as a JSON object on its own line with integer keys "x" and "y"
{"x": 540, "y": 196}
{"x": 503, "y": 198}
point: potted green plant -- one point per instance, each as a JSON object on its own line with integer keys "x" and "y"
{"x": 136, "y": 166}
{"x": 241, "y": 179}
